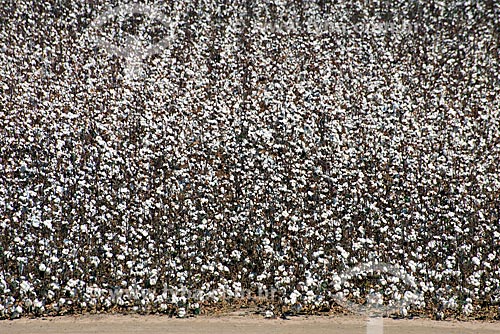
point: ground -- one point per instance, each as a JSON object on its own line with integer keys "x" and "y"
{"x": 236, "y": 324}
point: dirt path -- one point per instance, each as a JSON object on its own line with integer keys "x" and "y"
{"x": 238, "y": 325}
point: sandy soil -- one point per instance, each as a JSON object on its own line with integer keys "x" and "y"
{"x": 236, "y": 324}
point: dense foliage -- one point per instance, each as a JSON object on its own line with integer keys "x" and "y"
{"x": 271, "y": 146}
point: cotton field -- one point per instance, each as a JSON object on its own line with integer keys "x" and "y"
{"x": 261, "y": 152}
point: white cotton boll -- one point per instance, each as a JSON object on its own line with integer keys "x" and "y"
{"x": 294, "y": 296}
{"x": 236, "y": 254}
{"x": 37, "y": 304}
{"x": 28, "y": 302}
{"x": 174, "y": 299}
{"x": 318, "y": 253}
{"x": 120, "y": 301}
{"x": 24, "y": 286}
{"x": 396, "y": 296}
{"x": 261, "y": 277}
{"x": 375, "y": 299}
{"x": 42, "y": 267}
{"x": 451, "y": 303}
{"x": 268, "y": 249}
{"x": 107, "y": 303}
{"x": 403, "y": 311}
{"x": 468, "y": 309}
{"x": 269, "y": 314}
{"x": 310, "y": 296}
{"x": 181, "y": 313}
{"x": 48, "y": 224}
{"x": 309, "y": 281}
{"x": 410, "y": 297}
{"x": 476, "y": 261}
{"x": 72, "y": 282}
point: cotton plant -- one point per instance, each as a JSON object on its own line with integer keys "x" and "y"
{"x": 255, "y": 153}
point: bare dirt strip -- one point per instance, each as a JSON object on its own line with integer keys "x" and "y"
{"x": 236, "y": 324}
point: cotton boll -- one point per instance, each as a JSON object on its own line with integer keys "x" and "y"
{"x": 50, "y": 295}
{"x": 396, "y": 296}
{"x": 295, "y": 296}
{"x": 310, "y": 282}
{"x": 310, "y": 296}
{"x": 403, "y": 311}
{"x": 451, "y": 303}
{"x": 28, "y": 303}
{"x": 269, "y": 314}
{"x": 174, "y": 299}
{"x": 181, "y": 313}
{"x": 375, "y": 299}
{"x": 107, "y": 302}
{"x": 468, "y": 309}
{"x": 37, "y": 304}
{"x": 17, "y": 311}
{"x": 25, "y": 287}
